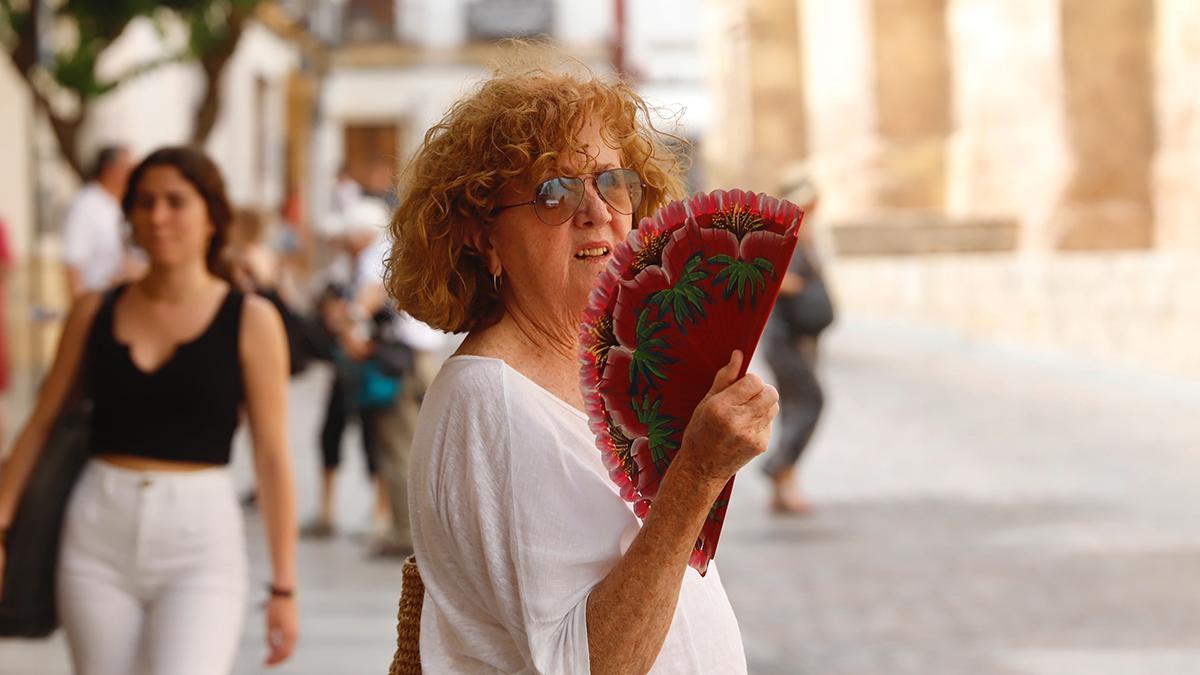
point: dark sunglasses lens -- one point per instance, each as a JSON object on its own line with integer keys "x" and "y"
{"x": 557, "y": 199}
{"x": 621, "y": 188}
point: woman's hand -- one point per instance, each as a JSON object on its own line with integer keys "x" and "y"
{"x": 730, "y": 426}
{"x": 283, "y": 624}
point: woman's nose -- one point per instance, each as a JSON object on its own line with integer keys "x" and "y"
{"x": 594, "y": 210}
{"x": 160, "y": 213}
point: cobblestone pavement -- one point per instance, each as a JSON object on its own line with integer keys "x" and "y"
{"x": 979, "y": 512}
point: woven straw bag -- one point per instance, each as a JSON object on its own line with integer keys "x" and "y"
{"x": 407, "y": 660}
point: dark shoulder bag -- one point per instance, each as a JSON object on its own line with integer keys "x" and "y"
{"x": 31, "y": 548}
{"x": 810, "y": 311}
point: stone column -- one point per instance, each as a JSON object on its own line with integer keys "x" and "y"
{"x": 1107, "y": 62}
{"x": 779, "y": 135}
{"x": 1177, "y": 174}
{"x": 913, "y": 101}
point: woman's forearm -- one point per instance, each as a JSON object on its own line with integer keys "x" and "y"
{"x": 630, "y": 611}
{"x": 277, "y": 501}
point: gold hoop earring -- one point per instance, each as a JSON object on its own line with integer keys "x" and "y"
{"x": 496, "y": 282}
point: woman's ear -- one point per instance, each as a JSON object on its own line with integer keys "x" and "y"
{"x": 482, "y": 244}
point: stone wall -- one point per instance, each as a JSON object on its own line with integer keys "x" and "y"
{"x": 1136, "y": 310}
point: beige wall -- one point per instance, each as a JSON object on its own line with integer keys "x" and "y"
{"x": 1135, "y": 310}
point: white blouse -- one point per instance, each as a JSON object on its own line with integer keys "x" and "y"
{"x": 515, "y": 520}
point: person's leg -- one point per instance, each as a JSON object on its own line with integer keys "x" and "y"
{"x": 401, "y": 427}
{"x": 98, "y": 606}
{"x": 332, "y": 430}
{"x": 196, "y": 560}
{"x": 393, "y": 431}
{"x": 373, "y": 452}
{"x": 101, "y": 619}
{"x": 195, "y": 625}
{"x": 801, "y": 401}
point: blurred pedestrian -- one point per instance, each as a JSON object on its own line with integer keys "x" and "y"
{"x": 152, "y": 572}
{"x": 348, "y": 325}
{"x": 254, "y": 267}
{"x": 802, "y": 311}
{"x": 346, "y": 192}
{"x": 381, "y": 182}
{"x": 94, "y": 249}
{"x": 402, "y": 347}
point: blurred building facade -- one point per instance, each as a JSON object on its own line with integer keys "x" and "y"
{"x": 315, "y": 85}
{"x": 397, "y": 65}
{"x": 1026, "y": 171}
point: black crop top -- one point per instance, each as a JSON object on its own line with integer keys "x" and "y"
{"x": 186, "y": 410}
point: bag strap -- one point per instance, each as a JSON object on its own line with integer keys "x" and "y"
{"x": 81, "y": 390}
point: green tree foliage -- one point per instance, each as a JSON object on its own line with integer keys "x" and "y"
{"x": 83, "y": 29}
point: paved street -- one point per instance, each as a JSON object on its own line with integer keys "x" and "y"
{"x": 980, "y": 512}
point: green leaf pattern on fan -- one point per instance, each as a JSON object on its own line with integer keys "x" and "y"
{"x": 648, "y": 356}
{"x": 742, "y": 275}
{"x": 659, "y": 430}
{"x": 685, "y": 299}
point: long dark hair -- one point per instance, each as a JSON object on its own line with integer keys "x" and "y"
{"x": 197, "y": 169}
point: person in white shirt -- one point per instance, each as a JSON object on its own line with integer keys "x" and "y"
{"x": 93, "y": 242}
{"x": 531, "y": 560}
{"x": 394, "y": 424}
{"x": 346, "y": 192}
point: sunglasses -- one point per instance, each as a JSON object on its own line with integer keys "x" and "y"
{"x": 557, "y": 199}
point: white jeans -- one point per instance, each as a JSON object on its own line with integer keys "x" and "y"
{"x": 152, "y": 573}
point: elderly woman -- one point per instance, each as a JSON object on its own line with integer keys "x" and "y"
{"x": 531, "y": 560}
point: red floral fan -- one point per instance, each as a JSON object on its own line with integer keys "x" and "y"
{"x": 688, "y": 287}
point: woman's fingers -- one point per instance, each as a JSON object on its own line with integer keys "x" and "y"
{"x": 281, "y": 633}
{"x": 280, "y": 644}
{"x": 760, "y": 404}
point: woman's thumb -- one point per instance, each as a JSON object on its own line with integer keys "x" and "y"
{"x": 728, "y": 374}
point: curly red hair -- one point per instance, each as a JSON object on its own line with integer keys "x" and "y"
{"x": 510, "y": 132}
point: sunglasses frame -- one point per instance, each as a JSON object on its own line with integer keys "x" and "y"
{"x": 583, "y": 178}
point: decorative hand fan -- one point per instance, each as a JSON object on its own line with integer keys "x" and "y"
{"x": 688, "y": 287}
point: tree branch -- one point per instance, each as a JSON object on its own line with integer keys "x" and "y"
{"x": 143, "y": 68}
{"x": 213, "y": 64}
{"x": 24, "y": 55}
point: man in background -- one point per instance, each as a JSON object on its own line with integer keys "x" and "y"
{"x": 93, "y": 241}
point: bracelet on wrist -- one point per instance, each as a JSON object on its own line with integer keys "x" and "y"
{"x": 280, "y": 591}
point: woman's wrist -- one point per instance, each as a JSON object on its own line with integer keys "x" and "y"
{"x": 280, "y": 591}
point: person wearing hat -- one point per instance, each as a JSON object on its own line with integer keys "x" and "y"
{"x": 802, "y": 311}
{"x": 347, "y": 322}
